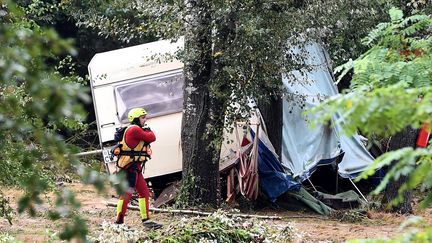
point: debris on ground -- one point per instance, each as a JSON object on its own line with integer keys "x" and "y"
{"x": 217, "y": 227}
{"x": 111, "y": 232}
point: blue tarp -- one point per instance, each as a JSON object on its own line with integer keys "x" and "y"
{"x": 272, "y": 178}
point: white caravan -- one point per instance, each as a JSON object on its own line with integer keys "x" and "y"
{"x": 142, "y": 76}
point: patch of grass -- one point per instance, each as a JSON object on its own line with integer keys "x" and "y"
{"x": 350, "y": 216}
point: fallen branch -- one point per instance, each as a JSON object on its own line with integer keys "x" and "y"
{"x": 183, "y": 211}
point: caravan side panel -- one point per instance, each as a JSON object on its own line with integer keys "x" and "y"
{"x": 166, "y": 157}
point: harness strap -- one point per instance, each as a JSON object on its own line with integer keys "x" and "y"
{"x": 134, "y": 153}
{"x": 139, "y": 156}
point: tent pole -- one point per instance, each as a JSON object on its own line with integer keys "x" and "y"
{"x": 358, "y": 190}
{"x": 312, "y": 184}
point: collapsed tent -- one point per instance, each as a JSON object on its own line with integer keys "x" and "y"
{"x": 260, "y": 158}
{"x": 258, "y": 162}
{"x": 304, "y": 148}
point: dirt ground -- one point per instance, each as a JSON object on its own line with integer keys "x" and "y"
{"x": 309, "y": 227}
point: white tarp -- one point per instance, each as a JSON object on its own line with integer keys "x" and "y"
{"x": 303, "y": 147}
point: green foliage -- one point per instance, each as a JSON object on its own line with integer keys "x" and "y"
{"x": 30, "y": 100}
{"x": 126, "y": 21}
{"x": 36, "y": 105}
{"x": 400, "y": 52}
{"x": 42, "y": 11}
{"x": 52, "y": 236}
{"x": 391, "y": 89}
{"x": 77, "y": 229}
{"x": 188, "y": 184}
{"x": 378, "y": 111}
{"x": 5, "y": 210}
{"x": 340, "y": 25}
{"x": 415, "y": 163}
{"x": 391, "y": 85}
{"x": 34, "y": 100}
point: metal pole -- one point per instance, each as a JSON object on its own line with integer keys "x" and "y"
{"x": 358, "y": 190}
{"x": 312, "y": 184}
{"x": 86, "y": 153}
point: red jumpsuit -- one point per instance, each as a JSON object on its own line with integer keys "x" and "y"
{"x": 135, "y": 178}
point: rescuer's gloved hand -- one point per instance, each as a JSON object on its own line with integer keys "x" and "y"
{"x": 146, "y": 127}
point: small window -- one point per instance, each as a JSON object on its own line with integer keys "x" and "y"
{"x": 157, "y": 95}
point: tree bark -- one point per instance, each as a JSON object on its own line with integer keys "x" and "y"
{"x": 405, "y": 138}
{"x": 200, "y": 157}
{"x": 272, "y": 114}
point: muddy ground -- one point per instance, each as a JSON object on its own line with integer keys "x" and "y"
{"x": 309, "y": 227}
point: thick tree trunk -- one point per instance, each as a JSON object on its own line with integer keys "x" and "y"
{"x": 200, "y": 158}
{"x": 272, "y": 113}
{"x": 405, "y": 138}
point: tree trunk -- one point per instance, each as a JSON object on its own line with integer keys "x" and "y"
{"x": 405, "y": 138}
{"x": 272, "y": 114}
{"x": 200, "y": 158}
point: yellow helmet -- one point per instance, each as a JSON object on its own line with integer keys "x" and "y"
{"x": 135, "y": 113}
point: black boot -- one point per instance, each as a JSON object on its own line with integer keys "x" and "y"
{"x": 150, "y": 224}
{"x": 120, "y": 219}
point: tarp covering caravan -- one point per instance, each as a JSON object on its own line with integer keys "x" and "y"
{"x": 304, "y": 148}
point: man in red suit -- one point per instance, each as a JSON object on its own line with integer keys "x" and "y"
{"x": 135, "y": 147}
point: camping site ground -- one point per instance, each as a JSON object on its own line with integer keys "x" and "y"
{"x": 305, "y": 226}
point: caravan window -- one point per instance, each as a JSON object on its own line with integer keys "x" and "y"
{"x": 159, "y": 95}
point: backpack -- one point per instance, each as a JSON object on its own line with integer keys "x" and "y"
{"x": 119, "y": 133}
{"x": 118, "y": 137}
